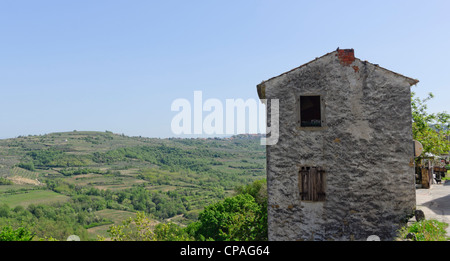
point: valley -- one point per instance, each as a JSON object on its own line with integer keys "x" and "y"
{"x": 84, "y": 181}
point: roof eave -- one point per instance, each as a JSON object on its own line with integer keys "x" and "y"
{"x": 261, "y": 88}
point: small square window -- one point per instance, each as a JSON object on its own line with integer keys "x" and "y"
{"x": 310, "y": 111}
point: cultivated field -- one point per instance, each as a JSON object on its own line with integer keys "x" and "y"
{"x": 106, "y": 178}
{"x": 31, "y": 197}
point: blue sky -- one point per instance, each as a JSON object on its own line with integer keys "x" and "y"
{"x": 118, "y": 65}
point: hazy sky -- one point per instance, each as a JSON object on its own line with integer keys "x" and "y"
{"x": 118, "y": 65}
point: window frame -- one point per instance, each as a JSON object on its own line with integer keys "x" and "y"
{"x": 322, "y": 112}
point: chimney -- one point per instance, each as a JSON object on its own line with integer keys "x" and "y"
{"x": 346, "y": 56}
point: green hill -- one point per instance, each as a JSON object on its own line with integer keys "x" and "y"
{"x": 88, "y": 172}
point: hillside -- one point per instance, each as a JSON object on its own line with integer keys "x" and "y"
{"x": 91, "y": 172}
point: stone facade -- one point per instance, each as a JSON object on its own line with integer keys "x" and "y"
{"x": 361, "y": 144}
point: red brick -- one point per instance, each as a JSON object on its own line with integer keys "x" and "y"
{"x": 346, "y": 56}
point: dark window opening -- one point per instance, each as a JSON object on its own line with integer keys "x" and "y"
{"x": 311, "y": 183}
{"x": 310, "y": 114}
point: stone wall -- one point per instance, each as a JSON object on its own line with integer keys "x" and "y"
{"x": 364, "y": 145}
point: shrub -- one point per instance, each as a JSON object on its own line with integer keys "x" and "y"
{"x": 4, "y": 181}
{"x": 426, "y": 230}
{"x": 7, "y": 233}
{"x": 142, "y": 228}
{"x": 235, "y": 218}
{"x": 27, "y": 165}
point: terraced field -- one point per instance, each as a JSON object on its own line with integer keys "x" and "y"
{"x": 23, "y": 176}
{"x": 28, "y": 197}
{"x": 115, "y": 216}
{"x": 106, "y": 177}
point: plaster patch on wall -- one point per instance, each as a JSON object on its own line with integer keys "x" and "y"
{"x": 360, "y": 130}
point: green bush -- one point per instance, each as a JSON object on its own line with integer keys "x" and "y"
{"x": 27, "y": 165}
{"x": 426, "y": 230}
{"x": 7, "y": 233}
{"x": 4, "y": 181}
{"x": 235, "y": 218}
{"x": 143, "y": 228}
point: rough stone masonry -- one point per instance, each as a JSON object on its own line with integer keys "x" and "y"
{"x": 343, "y": 165}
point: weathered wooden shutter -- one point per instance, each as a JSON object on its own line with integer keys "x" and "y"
{"x": 312, "y": 184}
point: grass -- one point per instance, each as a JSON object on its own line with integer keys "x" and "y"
{"x": 115, "y": 216}
{"x": 425, "y": 230}
{"x": 32, "y": 197}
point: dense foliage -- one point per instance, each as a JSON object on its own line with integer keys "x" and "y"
{"x": 57, "y": 221}
{"x": 237, "y": 218}
{"x": 8, "y": 233}
{"x": 4, "y": 181}
{"x": 430, "y": 129}
{"x": 54, "y": 158}
{"x": 142, "y": 228}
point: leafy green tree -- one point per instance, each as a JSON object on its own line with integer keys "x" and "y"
{"x": 4, "y": 181}
{"x": 257, "y": 189}
{"x": 142, "y": 228}
{"x": 235, "y": 218}
{"x": 430, "y": 129}
{"x": 170, "y": 232}
{"x": 4, "y": 210}
{"x": 27, "y": 165}
{"x": 138, "y": 229}
{"x": 8, "y": 233}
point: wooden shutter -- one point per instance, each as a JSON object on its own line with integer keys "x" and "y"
{"x": 311, "y": 182}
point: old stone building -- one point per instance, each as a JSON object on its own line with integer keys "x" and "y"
{"x": 342, "y": 168}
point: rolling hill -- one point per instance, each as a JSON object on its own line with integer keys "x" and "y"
{"x": 81, "y": 175}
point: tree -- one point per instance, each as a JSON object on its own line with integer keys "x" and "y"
{"x": 170, "y": 232}
{"x": 8, "y": 233}
{"x": 257, "y": 189}
{"x": 142, "y": 228}
{"x": 430, "y": 129}
{"x": 235, "y": 218}
{"x": 27, "y": 165}
{"x": 4, "y": 210}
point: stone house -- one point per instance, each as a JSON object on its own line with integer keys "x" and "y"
{"x": 342, "y": 168}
